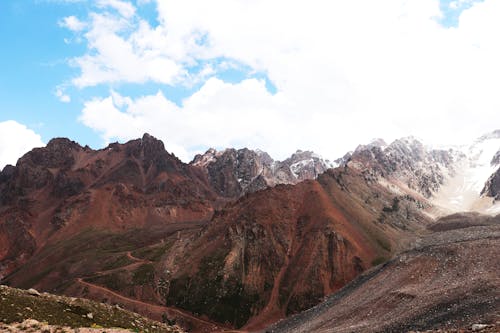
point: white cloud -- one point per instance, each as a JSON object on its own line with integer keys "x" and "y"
{"x": 113, "y": 57}
{"x": 72, "y": 23}
{"x": 126, "y": 9}
{"x": 457, "y": 4}
{"x": 246, "y": 118}
{"x": 345, "y": 71}
{"x": 16, "y": 140}
{"x": 61, "y": 95}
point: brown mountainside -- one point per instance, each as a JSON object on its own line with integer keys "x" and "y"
{"x": 62, "y": 189}
{"x": 131, "y": 224}
{"x": 279, "y": 251}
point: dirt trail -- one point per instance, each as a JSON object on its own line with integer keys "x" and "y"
{"x": 131, "y": 256}
{"x": 130, "y": 267}
{"x": 151, "y": 310}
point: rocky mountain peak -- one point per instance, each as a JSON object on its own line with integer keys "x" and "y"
{"x": 59, "y": 153}
{"x": 150, "y": 141}
{"x": 62, "y": 144}
{"x": 407, "y": 148}
{"x": 150, "y": 151}
{"x": 148, "y": 146}
{"x": 406, "y": 160}
{"x": 202, "y": 160}
{"x": 306, "y": 164}
{"x": 234, "y": 172}
{"x": 7, "y": 172}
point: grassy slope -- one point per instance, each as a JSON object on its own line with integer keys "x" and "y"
{"x": 17, "y": 305}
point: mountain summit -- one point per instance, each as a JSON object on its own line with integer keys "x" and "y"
{"x": 233, "y": 173}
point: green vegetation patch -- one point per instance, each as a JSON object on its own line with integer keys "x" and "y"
{"x": 153, "y": 253}
{"x": 144, "y": 275}
{"x": 117, "y": 281}
{"x": 207, "y": 293}
{"x": 117, "y": 262}
{"x": 383, "y": 243}
{"x": 378, "y": 261}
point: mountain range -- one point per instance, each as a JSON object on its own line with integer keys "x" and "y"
{"x": 232, "y": 239}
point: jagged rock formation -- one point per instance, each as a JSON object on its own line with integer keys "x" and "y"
{"x": 406, "y": 161}
{"x": 233, "y": 173}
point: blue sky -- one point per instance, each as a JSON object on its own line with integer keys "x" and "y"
{"x": 274, "y": 75}
{"x": 39, "y": 60}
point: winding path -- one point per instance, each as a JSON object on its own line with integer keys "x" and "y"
{"x": 151, "y": 310}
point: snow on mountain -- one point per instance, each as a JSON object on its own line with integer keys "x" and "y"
{"x": 462, "y": 191}
{"x": 453, "y": 179}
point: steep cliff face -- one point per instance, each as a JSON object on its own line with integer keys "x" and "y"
{"x": 233, "y": 173}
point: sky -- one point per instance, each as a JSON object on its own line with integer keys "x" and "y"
{"x": 278, "y": 75}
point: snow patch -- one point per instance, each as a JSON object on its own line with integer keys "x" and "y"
{"x": 461, "y": 190}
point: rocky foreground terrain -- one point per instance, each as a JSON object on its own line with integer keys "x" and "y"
{"x": 31, "y": 311}
{"x": 448, "y": 282}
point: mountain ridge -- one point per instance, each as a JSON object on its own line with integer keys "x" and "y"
{"x": 234, "y": 172}
{"x": 233, "y": 236}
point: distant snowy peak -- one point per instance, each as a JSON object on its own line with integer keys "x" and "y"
{"x": 407, "y": 162}
{"x": 204, "y": 159}
{"x": 306, "y": 164}
{"x": 233, "y": 173}
{"x": 456, "y": 179}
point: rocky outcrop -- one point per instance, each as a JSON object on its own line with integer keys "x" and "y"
{"x": 233, "y": 173}
{"x": 492, "y": 186}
